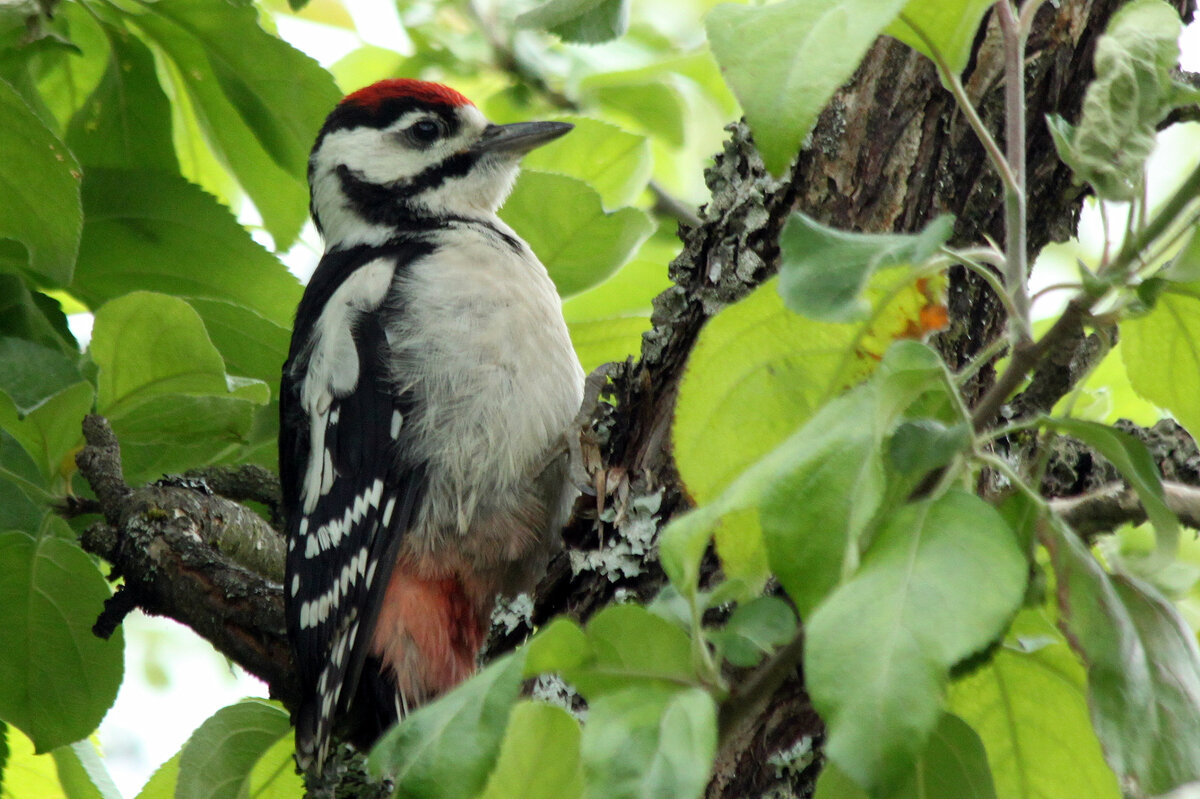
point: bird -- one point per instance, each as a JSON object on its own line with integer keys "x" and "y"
{"x": 425, "y": 403}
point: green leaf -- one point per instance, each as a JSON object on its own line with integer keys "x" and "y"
{"x": 259, "y": 101}
{"x": 652, "y": 104}
{"x": 954, "y": 764}
{"x": 801, "y": 52}
{"x": 39, "y": 180}
{"x": 1174, "y": 660}
{"x": 34, "y": 316}
{"x": 834, "y": 457}
{"x": 1143, "y": 669}
{"x": 564, "y": 222}
{"x": 828, "y": 486}
{"x": 30, "y": 373}
{"x": 824, "y": 271}
{"x": 27, "y": 774}
{"x": 148, "y": 345}
{"x": 950, "y": 25}
{"x": 251, "y": 344}
{"x": 601, "y": 341}
{"x": 756, "y": 373}
{"x": 274, "y": 775}
{"x": 70, "y": 59}
{"x": 164, "y": 387}
{"x": 161, "y": 784}
{"x": 447, "y": 749}
{"x": 169, "y": 434}
{"x": 57, "y": 679}
{"x": 1161, "y": 352}
{"x": 126, "y": 122}
{"x": 1185, "y": 266}
{"x": 23, "y": 490}
{"x": 560, "y": 645}
{"x": 580, "y": 21}
{"x": 615, "y": 163}
{"x": 1029, "y": 708}
{"x": 217, "y": 761}
{"x": 878, "y": 650}
{"x": 82, "y": 772}
{"x": 539, "y": 757}
{"x": 628, "y": 644}
{"x": 157, "y": 232}
{"x": 1133, "y": 461}
{"x": 755, "y": 629}
{"x": 820, "y": 505}
{"x": 1132, "y": 91}
{"x": 607, "y": 321}
{"x": 682, "y": 544}
{"x": 923, "y": 445}
{"x": 52, "y": 429}
{"x": 647, "y": 743}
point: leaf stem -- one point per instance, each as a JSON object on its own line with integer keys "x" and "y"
{"x": 954, "y": 84}
{"x": 1134, "y": 245}
{"x": 1016, "y": 245}
{"x": 989, "y": 277}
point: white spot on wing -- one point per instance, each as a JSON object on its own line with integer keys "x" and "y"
{"x": 397, "y": 420}
{"x": 331, "y": 369}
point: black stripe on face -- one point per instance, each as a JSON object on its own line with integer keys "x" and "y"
{"x": 387, "y": 203}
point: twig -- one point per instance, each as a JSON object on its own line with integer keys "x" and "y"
{"x": 1016, "y": 244}
{"x": 667, "y": 204}
{"x": 1107, "y": 508}
{"x": 751, "y": 696}
{"x": 1025, "y": 356}
{"x": 172, "y": 545}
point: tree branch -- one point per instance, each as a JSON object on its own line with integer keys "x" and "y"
{"x": 197, "y": 558}
{"x": 1107, "y": 508}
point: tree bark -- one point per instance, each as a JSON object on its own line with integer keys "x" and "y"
{"x": 890, "y": 153}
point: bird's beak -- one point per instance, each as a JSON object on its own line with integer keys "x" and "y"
{"x": 519, "y": 137}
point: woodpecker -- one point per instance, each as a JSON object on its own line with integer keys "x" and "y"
{"x": 424, "y": 404}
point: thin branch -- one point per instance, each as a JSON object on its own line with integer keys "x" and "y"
{"x": 1134, "y": 245}
{"x": 748, "y": 700}
{"x": 1025, "y": 356}
{"x": 173, "y": 547}
{"x": 1016, "y": 244}
{"x": 1108, "y": 508}
{"x": 505, "y": 58}
{"x": 667, "y": 204}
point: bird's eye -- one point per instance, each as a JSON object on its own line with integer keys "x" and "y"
{"x": 424, "y": 131}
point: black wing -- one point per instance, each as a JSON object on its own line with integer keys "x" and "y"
{"x": 342, "y": 546}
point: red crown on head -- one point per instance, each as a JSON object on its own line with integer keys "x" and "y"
{"x": 373, "y": 96}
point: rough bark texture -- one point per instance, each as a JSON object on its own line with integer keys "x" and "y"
{"x": 890, "y": 153}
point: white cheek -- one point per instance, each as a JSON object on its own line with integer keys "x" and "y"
{"x": 376, "y": 156}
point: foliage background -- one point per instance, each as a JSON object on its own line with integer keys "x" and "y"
{"x": 158, "y": 184}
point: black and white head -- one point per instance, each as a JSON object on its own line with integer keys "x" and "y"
{"x": 401, "y": 150}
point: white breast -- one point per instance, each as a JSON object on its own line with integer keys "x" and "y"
{"x": 482, "y": 343}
